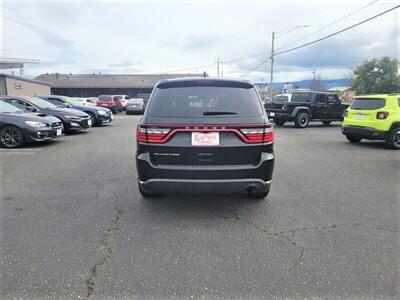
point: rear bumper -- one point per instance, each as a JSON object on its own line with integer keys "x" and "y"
{"x": 273, "y": 115}
{"x": 203, "y": 186}
{"x": 204, "y": 178}
{"x": 134, "y": 109}
{"x": 364, "y": 132}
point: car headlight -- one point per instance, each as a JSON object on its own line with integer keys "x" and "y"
{"x": 102, "y": 112}
{"x": 73, "y": 117}
{"x": 35, "y": 124}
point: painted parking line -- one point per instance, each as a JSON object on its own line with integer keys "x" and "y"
{"x": 13, "y": 152}
{"x": 22, "y": 149}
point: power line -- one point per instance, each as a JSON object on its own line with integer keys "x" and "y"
{"x": 298, "y": 47}
{"x": 329, "y": 25}
{"x": 337, "y": 32}
{"x": 255, "y": 68}
{"x": 325, "y": 37}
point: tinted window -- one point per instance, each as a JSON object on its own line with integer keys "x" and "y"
{"x": 301, "y": 97}
{"x": 196, "y": 100}
{"x": 367, "y": 103}
{"x": 333, "y": 98}
{"x": 55, "y": 101}
{"x": 281, "y": 99}
{"x": 321, "y": 98}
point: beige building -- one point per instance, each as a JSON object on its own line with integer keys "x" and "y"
{"x": 17, "y": 86}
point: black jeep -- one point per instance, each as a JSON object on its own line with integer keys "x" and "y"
{"x": 303, "y": 107}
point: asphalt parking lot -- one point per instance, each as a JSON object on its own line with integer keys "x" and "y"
{"x": 73, "y": 224}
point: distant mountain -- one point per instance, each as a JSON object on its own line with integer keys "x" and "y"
{"x": 306, "y": 84}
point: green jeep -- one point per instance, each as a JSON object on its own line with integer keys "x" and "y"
{"x": 374, "y": 117}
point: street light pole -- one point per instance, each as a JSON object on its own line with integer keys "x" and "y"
{"x": 218, "y": 66}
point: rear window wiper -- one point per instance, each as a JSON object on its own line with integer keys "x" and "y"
{"x": 216, "y": 113}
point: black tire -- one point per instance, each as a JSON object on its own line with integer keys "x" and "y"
{"x": 258, "y": 195}
{"x": 393, "y": 140}
{"x": 279, "y": 122}
{"x": 302, "y": 119}
{"x": 352, "y": 139}
{"x": 115, "y": 110}
{"x": 11, "y": 137}
{"x": 93, "y": 118}
{"x": 326, "y": 123}
{"x": 146, "y": 194}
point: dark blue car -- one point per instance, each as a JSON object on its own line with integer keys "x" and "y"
{"x": 98, "y": 115}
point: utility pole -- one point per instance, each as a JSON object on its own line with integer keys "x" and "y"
{"x": 218, "y": 66}
{"x": 272, "y": 65}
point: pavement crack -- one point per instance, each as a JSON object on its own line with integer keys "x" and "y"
{"x": 104, "y": 251}
{"x": 289, "y": 235}
{"x": 279, "y": 235}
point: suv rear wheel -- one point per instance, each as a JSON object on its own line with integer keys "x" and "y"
{"x": 353, "y": 139}
{"x": 393, "y": 140}
{"x": 302, "y": 119}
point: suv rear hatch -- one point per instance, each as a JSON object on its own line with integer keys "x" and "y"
{"x": 106, "y": 101}
{"x": 366, "y": 111}
{"x": 205, "y": 122}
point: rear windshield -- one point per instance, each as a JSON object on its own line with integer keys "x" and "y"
{"x": 105, "y": 98}
{"x": 200, "y": 101}
{"x": 368, "y": 103}
{"x": 135, "y": 101}
{"x": 281, "y": 99}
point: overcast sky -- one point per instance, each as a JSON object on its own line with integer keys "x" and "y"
{"x": 163, "y": 36}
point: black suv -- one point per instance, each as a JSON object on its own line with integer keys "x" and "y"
{"x": 303, "y": 107}
{"x": 204, "y": 135}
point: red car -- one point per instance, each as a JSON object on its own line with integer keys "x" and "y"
{"x": 111, "y": 102}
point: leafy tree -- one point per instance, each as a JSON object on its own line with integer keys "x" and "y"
{"x": 376, "y": 76}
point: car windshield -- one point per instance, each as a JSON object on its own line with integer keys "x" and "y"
{"x": 8, "y": 108}
{"x": 40, "y": 102}
{"x": 74, "y": 101}
{"x": 199, "y": 101}
{"x": 368, "y": 103}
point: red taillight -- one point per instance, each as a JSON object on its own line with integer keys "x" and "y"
{"x": 250, "y": 135}
{"x": 258, "y": 135}
{"x": 382, "y": 115}
{"x": 152, "y": 134}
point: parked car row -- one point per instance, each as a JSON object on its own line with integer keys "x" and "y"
{"x": 374, "y": 117}
{"x": 26, "y": 119}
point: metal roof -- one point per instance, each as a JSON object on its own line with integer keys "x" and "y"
{"x": 13, "y": 63}
{"x": 107, "y": 80}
